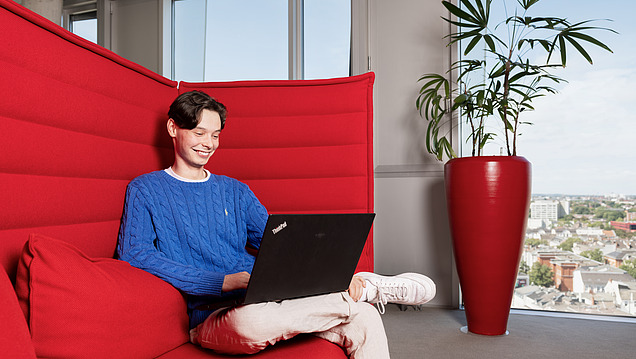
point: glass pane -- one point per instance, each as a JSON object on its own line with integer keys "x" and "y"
{"x": 327, "y": 38}
{"x": 246, "y": 40}
{"x": 579, "y": 240}
{"x": 189, "y": 40}
{"x": 85, "y": 26}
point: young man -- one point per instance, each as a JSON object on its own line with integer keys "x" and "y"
{"x": 190, "y": 228}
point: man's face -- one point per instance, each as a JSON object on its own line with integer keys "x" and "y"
{"x": 193, "y": 148}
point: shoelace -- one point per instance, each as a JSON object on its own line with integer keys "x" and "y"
{"x": 388, "y": 292}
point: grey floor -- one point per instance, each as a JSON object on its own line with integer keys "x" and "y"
{"x": 435, "y": 333}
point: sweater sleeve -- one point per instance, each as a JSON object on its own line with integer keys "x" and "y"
{"x": 256, "y": 218}
{"x": 136, "y": 246}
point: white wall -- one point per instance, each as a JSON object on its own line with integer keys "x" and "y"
{"x": 137, "y": 29}
{"x": 411, "y": 228}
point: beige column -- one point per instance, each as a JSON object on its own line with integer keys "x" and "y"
{"x": 50, "y": 9}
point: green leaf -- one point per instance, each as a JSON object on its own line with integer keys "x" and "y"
{"x": 579, "y": 48}
{"x": 490, "y": 42}
{"x": 487, "y": 137}
{"x": 562, "y": 48}
{"x": 526, "y": 4}
{"x": 466, "y": 35}
{"x": 462, "y": 24}
{"x": 461, "y": 99}
{"x": 591, "y": 40}
{"x": 472, "y": 44}
{"x": 472, "y": 9}
{"x": 552, "y": 47}
{"x": 480, "y": 97}
{"x": 546, "y": 45}
{"x": 518, "y": 76}
{"x": 447, "y": 147}
{"x": 498, "y": 71}
{"x": 460, "y": 13}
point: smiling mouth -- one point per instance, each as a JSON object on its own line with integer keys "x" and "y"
{"x": 203, "y": 153}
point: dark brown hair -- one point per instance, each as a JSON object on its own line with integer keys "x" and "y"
{"x": 186, "y": 109}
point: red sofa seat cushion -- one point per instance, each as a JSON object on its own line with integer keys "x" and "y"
{"x": 294, "y": 348}
{"x": 80, "y": 307}
{"x": 14, "y": 340}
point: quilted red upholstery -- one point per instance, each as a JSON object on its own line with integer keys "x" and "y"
{"x": 79, "y": 122}
{"x": 301, "y": 146}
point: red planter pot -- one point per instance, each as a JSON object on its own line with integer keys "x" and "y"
{"x": 488, "y": 199}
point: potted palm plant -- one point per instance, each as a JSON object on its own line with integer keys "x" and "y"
{"x": 495, "y": 81}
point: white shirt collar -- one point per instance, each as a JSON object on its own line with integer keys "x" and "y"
{"x": 183, "y": 179}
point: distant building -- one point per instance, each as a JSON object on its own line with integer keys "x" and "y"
{"x": 590, "y": 232}
{"x": 535, "y": 223}
{"x": 535, "y": 297}
{"x": 549, "y": 209}
{"x": 595, "y": 300}
{"x": 564, "y": 274}
{"x": 563, "y": 265}
{"x": 579, "y": 248}
{"x": 616, "y": 258}
{"x": 624, "y": 294}
{"x": 562, "y": 233}
{"x": 626, "y": 226}
{"x": 595, "y": 279}
{"x": 523, "y": 279}
{"x": 609, "y": 234}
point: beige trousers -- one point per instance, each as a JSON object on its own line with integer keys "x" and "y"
{"x": 355, "y": 326}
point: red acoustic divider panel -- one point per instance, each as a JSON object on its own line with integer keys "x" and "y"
{"x": 302, "y": 146}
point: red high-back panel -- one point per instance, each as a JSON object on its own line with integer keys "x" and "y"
{"x": 78, "y": 123}
{"x": 301, "y": 146}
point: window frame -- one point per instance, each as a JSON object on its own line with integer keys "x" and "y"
{"x": 359, "y": 48}
{"x": 73, "y": 10}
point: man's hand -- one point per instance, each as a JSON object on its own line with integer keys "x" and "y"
{"x": 235, "y": 281}
{"x": 355, "y": 288}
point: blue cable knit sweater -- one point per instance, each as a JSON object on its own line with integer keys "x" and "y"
{"x": 191, "y": 234}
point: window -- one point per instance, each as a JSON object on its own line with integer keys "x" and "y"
{"x": 579, "y": 145}
{"x": 84, "y": 25}
{"x": 80, "y": 18}
{"x": 327, "y": 38}
{"x": 224, "y": 40}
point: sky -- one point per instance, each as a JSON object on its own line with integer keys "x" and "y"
{"x": 582, "y": 141}
{"x": 253, "y": 38}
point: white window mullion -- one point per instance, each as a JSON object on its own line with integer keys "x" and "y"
{"x": 296, "y": 40}
{"x": 205, "y": 41}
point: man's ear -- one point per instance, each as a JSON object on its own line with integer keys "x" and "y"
{"x": 172, "y": 128}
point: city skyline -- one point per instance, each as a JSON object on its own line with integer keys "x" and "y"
{"x": 576, "y": 258}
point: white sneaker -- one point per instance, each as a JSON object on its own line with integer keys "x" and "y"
{"x": 405, "y": 288}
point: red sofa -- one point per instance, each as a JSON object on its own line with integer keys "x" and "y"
{"x": 79, "y": 122}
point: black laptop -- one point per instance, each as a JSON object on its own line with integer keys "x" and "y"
{"x": 307, "y": 254}
{"x": 303, "y": 255}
